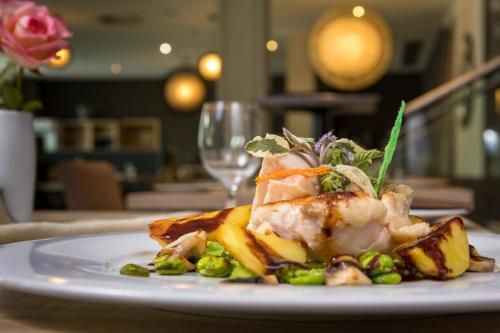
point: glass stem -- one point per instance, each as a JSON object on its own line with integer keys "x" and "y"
{"x": 231, "y": 196}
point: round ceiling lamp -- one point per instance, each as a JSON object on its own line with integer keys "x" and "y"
{"x": 184, "y": 91}
{"x": 210, "y": 66}
{"x": 350, "y": 48}
{"x": 61, "y": 58}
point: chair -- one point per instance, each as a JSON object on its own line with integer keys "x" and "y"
{"x": 90, "y": 185}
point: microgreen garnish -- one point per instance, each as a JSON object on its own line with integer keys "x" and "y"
{"x": 349, "y": 162}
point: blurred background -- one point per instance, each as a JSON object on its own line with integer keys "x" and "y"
{"x": 127, "y": 95}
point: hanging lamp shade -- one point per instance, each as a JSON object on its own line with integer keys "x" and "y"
{"x": 350, "y": 48}
{"x": 184, "y": 91}
{"x": 210, "y": 66}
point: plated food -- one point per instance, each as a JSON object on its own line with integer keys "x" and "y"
{"x": 321, "y": 215}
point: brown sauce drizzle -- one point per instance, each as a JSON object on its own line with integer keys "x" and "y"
{"x": 331, "y": 201}
{"x": 209, "y": 225}
{"x": 432, "y": 250}
{"x": 336, "y": 196}
{"x": 373, "y": 264}
{"x": 327, "y": 232}
{"x": 267, "y": 255}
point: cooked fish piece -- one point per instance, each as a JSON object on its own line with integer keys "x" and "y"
{"x": 397, "y": 199}
{"x": 289, "y": 188}
{"x": 330, "y": 223}
{"x": 343, "y": 222}
{"x": 373, "y": 236}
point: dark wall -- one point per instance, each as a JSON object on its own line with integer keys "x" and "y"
{"x": 372, "y": 130}
{"x": 144, "y": 98}
{"x": 439, "y": 67}
{"x": 116, "y": 99}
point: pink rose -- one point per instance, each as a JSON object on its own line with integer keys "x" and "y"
{"x": 29, "y": 35}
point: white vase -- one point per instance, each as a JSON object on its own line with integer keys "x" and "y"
{"x": 17, "y": 163}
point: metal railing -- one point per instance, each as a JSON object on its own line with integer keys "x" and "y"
{"x": 434, "y": 107}
{"x": 445, "y": 90}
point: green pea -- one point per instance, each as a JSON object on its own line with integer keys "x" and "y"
{"x": 134, "y": 270}
{"x": 385, "y": 265}
{"x": 365, "y": 258}
{"x": 160, "y": 259}
{"x": 374, "y": 263}
{"x": 165, "y": 265}
{"x": 214, "y": 266}
{"x": 389, "y": 278}
{"x": 215, "y": 249}
{"x": 240, "y": 272}
{"x": 314, "y": 276}
{"x": 171, "y": 271}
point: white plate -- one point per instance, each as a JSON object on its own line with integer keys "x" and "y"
{"x": 433, "y": 213}
{"x": 87, "y": 268}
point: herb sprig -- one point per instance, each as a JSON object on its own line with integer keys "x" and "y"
{"x": 390, "y": 148}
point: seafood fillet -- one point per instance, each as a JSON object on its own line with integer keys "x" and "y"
{"x": 330, "y": 223}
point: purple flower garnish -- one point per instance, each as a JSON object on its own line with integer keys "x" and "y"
{"x": 324, "y": 141}
{"x": 348, "y": 156}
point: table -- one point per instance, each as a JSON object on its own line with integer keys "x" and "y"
{"x": 202, "y": 200}
{"x": 440, "y": 197}
{"x": 23, "y": 313}
{"x": 62, "y": 215}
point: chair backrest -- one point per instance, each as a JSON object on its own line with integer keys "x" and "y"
{"x": 90, "y": 185}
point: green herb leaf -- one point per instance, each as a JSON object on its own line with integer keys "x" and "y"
{"x": 347, "y": 152}
{"x": 270, "y": 146}
{"x": 390, "y": 148}
{"x": 32, "y": 105}
{"x": 333, "y": 157}
{"x": 351, "y": 145}
{"x": 364, "y": 159}
{"x": 333, "y": 182}
{"x": 298, "y": 143}
{"x": 357, "y": 177}
{"x": 309, "y": 140}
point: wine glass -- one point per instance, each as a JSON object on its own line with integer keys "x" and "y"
{"x": 225, "y": 128}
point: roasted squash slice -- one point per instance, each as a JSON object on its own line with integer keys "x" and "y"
{"x": 442, "y": 254}
{"x": 259, "y": 253}
{"x": 168, "y": 230}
